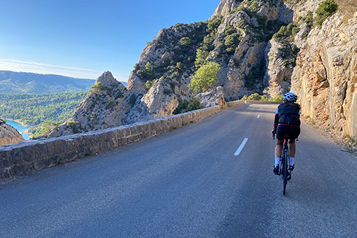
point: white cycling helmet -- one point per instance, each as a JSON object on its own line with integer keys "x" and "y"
{"x": 290, "y": 97}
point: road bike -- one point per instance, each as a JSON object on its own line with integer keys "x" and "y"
{"x": 284, "y": 170}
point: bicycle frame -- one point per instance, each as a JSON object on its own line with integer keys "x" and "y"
{"x": 284, "y": 161}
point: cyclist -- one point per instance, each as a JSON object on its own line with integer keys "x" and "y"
{"x": 287, "y": 121}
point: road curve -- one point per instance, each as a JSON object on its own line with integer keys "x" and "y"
{"x": 190, "y": 183}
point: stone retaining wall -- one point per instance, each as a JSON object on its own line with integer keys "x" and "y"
{"x": 27, "y": 157}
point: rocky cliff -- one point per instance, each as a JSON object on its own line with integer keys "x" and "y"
{"x": 266, "y": 46}
{"x": 8, "y": 134}
{"x": 325, "y": 76}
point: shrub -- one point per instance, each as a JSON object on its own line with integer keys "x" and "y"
{"x": 201, "y": 56}
{"x": 119, "y": 95}
{"x": 73, "y": 125}
{"x": 245, "y": 97}
{"x": 93, "y": 116}
{"x": 264, "y": 98}
{"x": 213, "y": 24}
{"x": 277, "y": 99}
{"x": 111, "y": 103}
{"x": 149, "y": 84}
{"x": 229, "y": 30}
{"x": 325, "y": 9}
{"x": 205, "y": 77}
{"x": 136, "y": 67}
{"x": 97, "y": 88}
{"x": 146, "y": 73}
{"x": 232, "y": 41}
{"x": 132, "y": 99}
{"x": 240, "y": 24}
{"x": 186, "y": 106}
{"x": 185, "y": 41}
{"x": 254, "y": 97}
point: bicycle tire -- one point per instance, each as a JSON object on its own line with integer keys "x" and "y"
{"x": 285, "y": 170}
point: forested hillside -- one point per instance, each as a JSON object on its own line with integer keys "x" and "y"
{"x": 35, "y": 110}
{"x": 30, "y": 83}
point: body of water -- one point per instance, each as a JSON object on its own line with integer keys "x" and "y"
{"x": 19, "y": 127}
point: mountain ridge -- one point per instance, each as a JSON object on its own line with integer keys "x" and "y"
{"x": 12, "y": 82}
{"x": 257, "y": 44}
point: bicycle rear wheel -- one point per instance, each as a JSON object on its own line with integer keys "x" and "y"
{"x": 285, "y": 170}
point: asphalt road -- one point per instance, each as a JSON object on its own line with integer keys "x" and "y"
{"x": 189, "y": 183}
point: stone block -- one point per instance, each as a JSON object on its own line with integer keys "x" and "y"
{"x": 18, "y": 170}
{"x": 34, "y": 151}
{"x": 16, "y": 156}
{"x": 5, "y": 174}
{"x": 56, "y": 146}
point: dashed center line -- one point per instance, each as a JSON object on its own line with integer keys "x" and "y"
{"x": 258, "y": 116}
{"x": 240, "y": 148}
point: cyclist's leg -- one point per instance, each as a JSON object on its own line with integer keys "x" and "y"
{"x": 278, "y": 148}
{"x": 294, "y": 132}
{"x": 292, "y": 148}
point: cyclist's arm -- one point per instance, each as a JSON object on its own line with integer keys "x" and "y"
{"x": 276, "y": 120}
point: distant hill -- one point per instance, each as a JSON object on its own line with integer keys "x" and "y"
{"x": 31, "y": 83}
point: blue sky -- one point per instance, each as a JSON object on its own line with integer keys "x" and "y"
{"x": 84, "y": 38}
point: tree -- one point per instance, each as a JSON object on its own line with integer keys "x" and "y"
{"x": 185, "y": 41}
{"x": 232, "y": 41}
{"x": 201, "y": 56}
{"x": 149, "y": 70}
{"x": 205, "y": 77}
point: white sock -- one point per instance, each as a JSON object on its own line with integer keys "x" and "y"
{"x": 277, "y": 159}
{"x": 291, "y": 161}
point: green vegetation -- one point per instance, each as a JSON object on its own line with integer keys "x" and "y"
{"x": 111, "y": 103}
{"x": 147, "y": 73}
{"x": 185, "y": 41}
{"x": 73, "y": 125}
{"x": 277, "y": 99}
{"x": 325, "y": 9}
{"x": 43, "y": 112}
{"x": 350, "y": 139}
{"x": 132, "y": 99}
{"x": 96, "y": 88}
{"x": 255, "y": 97}
{"x": 232, "y": 41}
{"x": 186, "y": 106}
{"x": 205, "y": 77}
{"x": 207, "y": 46}
{"x": 149, "y": 84}
{"x": 39, "y": 108}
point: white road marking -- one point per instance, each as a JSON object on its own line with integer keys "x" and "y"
{"x": 258, "y": 116}
{"x": 240, "y": 148}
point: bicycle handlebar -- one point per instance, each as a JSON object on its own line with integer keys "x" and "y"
{"x": 273, "y": 132}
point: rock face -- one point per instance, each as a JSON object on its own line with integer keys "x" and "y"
{"x": 8, "y": 134}
{"x": 106, "y": 105}
{"x": 325, "y": 76}
{"x": 235, "y": 37}
{"x": 265, "y": 46}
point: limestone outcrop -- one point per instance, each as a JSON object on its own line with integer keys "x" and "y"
{"x": 261, "y": 46}
{"x": 106, "y": 105}
{"x": 8, "y": 134}
{"x": 325, "y": 76}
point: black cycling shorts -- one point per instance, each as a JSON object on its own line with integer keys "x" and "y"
{"x": 282, "y": 130}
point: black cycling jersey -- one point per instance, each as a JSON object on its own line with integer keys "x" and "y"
{"x": 288, "y": 114}
{"x": 287, "y": 121}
